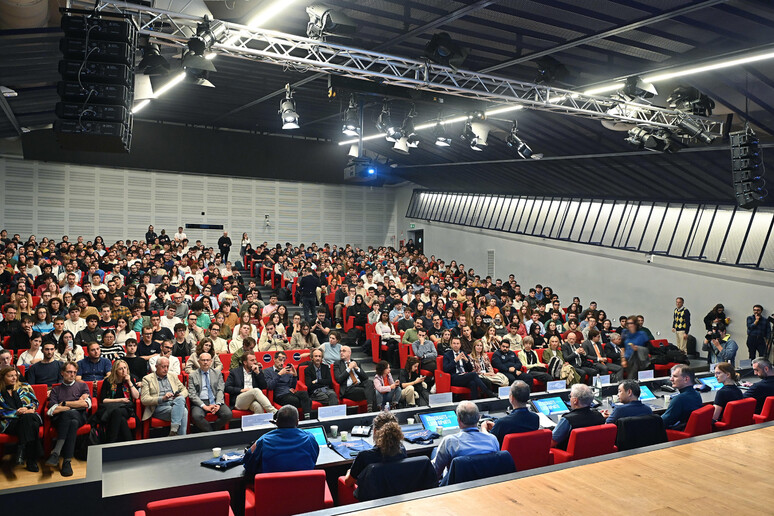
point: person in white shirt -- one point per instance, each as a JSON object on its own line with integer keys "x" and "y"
{"x": 170, "y": 320}
{"x": 74, "y": 323}
{"x": 166, "y": 351}
{"x": 180, "y": 236}
{"x": 71, "y": 286}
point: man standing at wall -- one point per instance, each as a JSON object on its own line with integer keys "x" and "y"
{"x": 224, "y": 244}
{"x": 681, "y": 324}
{"x": 757, "y": 333}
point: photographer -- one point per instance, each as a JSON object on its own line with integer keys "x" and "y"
{"x": 758, "y": 332}
{"x": 720, "y": 346}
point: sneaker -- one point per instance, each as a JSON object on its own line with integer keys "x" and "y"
{"x": 172, "y": 433}
{"x": 32, "y": 465}
{"x": 53, "y": 460}
{"x": 67, "y": 469}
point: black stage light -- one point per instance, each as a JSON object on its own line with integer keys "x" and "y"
{"x": 287, "y": 110}
{"x": 443, "y": 51}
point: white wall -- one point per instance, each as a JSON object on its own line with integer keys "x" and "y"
{"x": 52, "y": 199}
{"x": 620, "y": 281}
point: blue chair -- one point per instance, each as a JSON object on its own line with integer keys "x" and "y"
{"x": 476, "y": 467}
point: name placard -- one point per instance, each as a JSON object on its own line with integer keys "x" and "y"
{"x": 332, "y": 412}
{"x": 442, "y": 398}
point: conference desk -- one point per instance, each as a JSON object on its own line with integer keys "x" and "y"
{"x": 124, "y": 476}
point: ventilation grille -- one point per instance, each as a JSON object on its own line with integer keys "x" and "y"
{"x": 490, "y": 262}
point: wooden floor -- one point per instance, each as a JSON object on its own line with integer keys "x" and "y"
{"x": 682, "y": 480}
{"x": 12, "y": 477}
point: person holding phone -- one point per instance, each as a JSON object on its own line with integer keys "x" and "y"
{"x": 387, "y": 389}
{"x": 414, "y": 388}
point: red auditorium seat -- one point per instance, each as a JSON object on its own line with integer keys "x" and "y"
{"x": 211, "y": 504}
{"x": 41, "y": 393}
{"x": 736, "y": 414}
{"x": 661, "y": 369}
{"x": 587, "y": 442}
{"x": 529, "y": 449}
{"x": 699, "y": 423}
{"x": 286, "y": 494}
{"x": 443, "y": 381}
{"x": 50, "y": 431}
{"x": 767, "y": 413}
{"x": 362, "y": 406}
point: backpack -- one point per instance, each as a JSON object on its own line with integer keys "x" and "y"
{"x": 283, "y": 294}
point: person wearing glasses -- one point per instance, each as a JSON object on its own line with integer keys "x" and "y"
{"x": 68, "y": 403}
{"x": 147, "y": 348}
{"x": 166, "y": 351}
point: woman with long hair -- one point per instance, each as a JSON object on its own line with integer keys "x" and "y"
{"x": 483, "y": 367}
{"x": 387, "y": 337}
{"x": 414, "y": 389}
{"x": 388, "y": 447}
{"x": 490, "y": 340}
{"x": 551, "y": 330}
{"x": 205, "y": 345}
{"x": 42, "y": 322}
{"x": 477, "y": 328}
{"x": 19, "y": 416}
{"x": 537, "y": 338}
{"x": 66, "y": 351}
{"x": 244, "y": 320}
{"x": 123, "y": 330}
{"x": 117, "y": 404}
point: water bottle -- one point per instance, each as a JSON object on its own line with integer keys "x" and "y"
{"x": 597, "y": 386}
{"x": 387, "y": 406}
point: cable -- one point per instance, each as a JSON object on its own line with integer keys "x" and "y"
{"x": 87, "y": 53}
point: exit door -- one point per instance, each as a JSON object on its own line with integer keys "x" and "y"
{"x": 418, "y": 236}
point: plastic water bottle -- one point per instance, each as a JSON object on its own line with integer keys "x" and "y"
{"x": 387, "y": 406}
{"x": 597, "y": 386}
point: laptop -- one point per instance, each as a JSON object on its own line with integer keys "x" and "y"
{"x": 446, "y": 419}
{"x": 552, "y": 407}
{"x": 648, "y": 398}
{"x": 318, "y": 433}
{"x": 711, "y": 382}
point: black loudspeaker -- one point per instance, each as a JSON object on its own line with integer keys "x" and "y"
{"x": 97, "y": 86}
{"x": 747, "y": 169}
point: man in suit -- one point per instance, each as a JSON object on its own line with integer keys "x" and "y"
{"x": 282, "y": 380}
{"x": 163, "y": 397}
{"x": 595, "y": 350}
{"x": 764, "y": 388}
{"x": 205, "y": 388}
{"x": 245, "y": 385}
{"x": 519, "y": 420}
{"x": 574, "y": 353}
{"x": 319, "y": 381}
{"x": 352, "y": 380}
{"x": 457, "y": 363}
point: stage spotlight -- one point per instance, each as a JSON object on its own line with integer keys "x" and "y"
{"x": 408, "y": 131}
{"x": 636, "y": 87}
{"x": 152, "y": 63}
{"x": 287, "y": 110}
{"x": 384, "y": 124}
{"x": 475, "y": 135}
{"x": 513, "y": 141}
{"x": 351, "y": 125}
{"x": 325, "y": 21}
{"x": 354, "y": 151}
{"x": 443, "y": 51}
{"x": 693, "y": 130}
{"x": 198, "y": 77}
{"x": 441, "y": 138}
{"x": 653, "y": 140}
{"x": 402, "y": 145}
{"x": 550, "y": 70}
{"x": 691, "y": 100}
{"x": 198, "y": 46}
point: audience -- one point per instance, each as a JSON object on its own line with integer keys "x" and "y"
{"x": 47, "y": 371}
{"x": 319, "y": 382}
{"x": 285, "y": 448}
{"x": 117, "y": 404}
{"x": 387, "y": 389}
{"x": 580, "y": 415}
{"x": 726, "y": 375}
{"x": 94, "y": 367}
{"x": 245, "y": 385}
{"x": 282, "y": 380}
{"x": 413, "y": 386}
{"x": 352, "y": 380}
{"x": 457, "y": 363}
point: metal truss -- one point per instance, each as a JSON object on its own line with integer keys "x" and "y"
{"x": 304, "y": 54}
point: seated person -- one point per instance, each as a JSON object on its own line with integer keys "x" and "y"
{"x": 531, "y": 360}
{"x": 765, "y": 387}
{"x": 595, "y": 351}
{"x": 413, "y": 387}
{"x": 581, "y": 415}
{"x": 424, "y": 350}
{"x": 110, "y": 349}
{"x": 245, "y": 386}
{"x": 519, "y": 420}
{"x": 352, "y": 380}
{"x": 138, "y": 367}
{"x": 388, "y": 446}
{"x": 507, "y": 362}
{"x": 457, "y": 363}
{"x": 282, "y": 380}
{"x": 163, "y": 397}
{"x": 116, "y": 403}
{"x": 248, "y": 346}
{"x": 726, "y": 376}
{"x": 682, "y": 404}
{"x": 66, "y": 351}
{"x": 631, "y": 406}
{"x": 68, "y": 403}
{"x": 386, "y": 389}
{"x": 285, "y": 448}
{"x": 271, "y": 340}
{"x": 94, "y": 367}
{"x": 18, "y": 416}
{"x": 166, "y": 351}
{"x": 91, "y": 333}
{"x": 319, "y": 381}
{"x": 204, "y": 346}
{"x": 147, "y": 348}
{"x": 469, "y": 441}
{"x": 205, "y": 388}
{"x": 47, "y": 371}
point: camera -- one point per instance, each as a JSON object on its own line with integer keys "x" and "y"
{"x": 713, "y": 335}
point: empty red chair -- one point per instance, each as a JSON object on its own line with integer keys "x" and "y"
{"x": 588, "y": 442}
{"x": 211, "y": 504}
{"x": 700, "y": 423}
{"x": 529, "y": 449}
{"x": 736, "y": 414}
{"x": 767, "y": 413}
{"x": 285, "y": 494}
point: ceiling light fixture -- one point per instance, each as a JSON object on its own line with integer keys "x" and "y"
{"x": 513, "y": 141}
{"x": 152, "y": 63}
{"x": 656, "y": 140}
{"x": 443, "y": 51}
{"x": 690, "y": 100}
{"x": 407, "y": 129}
{"x": 8, "y": 92}
{"x": 351, "y": 125}
{"x": 550, "y": 70}
{"x": 441, "y": 138}
{"x": 177, "y": 79}
{"x": 385, "y": 126}
{"x": 402, "y": 145}
{"x": 287, "y": 110}
{"x": 325, "y": 21}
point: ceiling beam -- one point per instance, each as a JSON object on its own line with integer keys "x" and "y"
{"x": 606, "y": 34}
{"x": 454, "y": 15}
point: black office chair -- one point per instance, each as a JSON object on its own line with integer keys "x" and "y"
{"x": 475, "y": 467}
{"x": 385, "y": 479}
{"x": 639, "y": 431}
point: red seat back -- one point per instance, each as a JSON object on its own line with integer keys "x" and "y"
{"x": 739, "y": 413}
{"x": 767, "y": 412}
{"x": 592, "y": 441}
{"x": 529, "y": 449}
{"x": 700, "y": 422}
{"x": 212, "y": 504}
{"x": 285, "y": 494}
